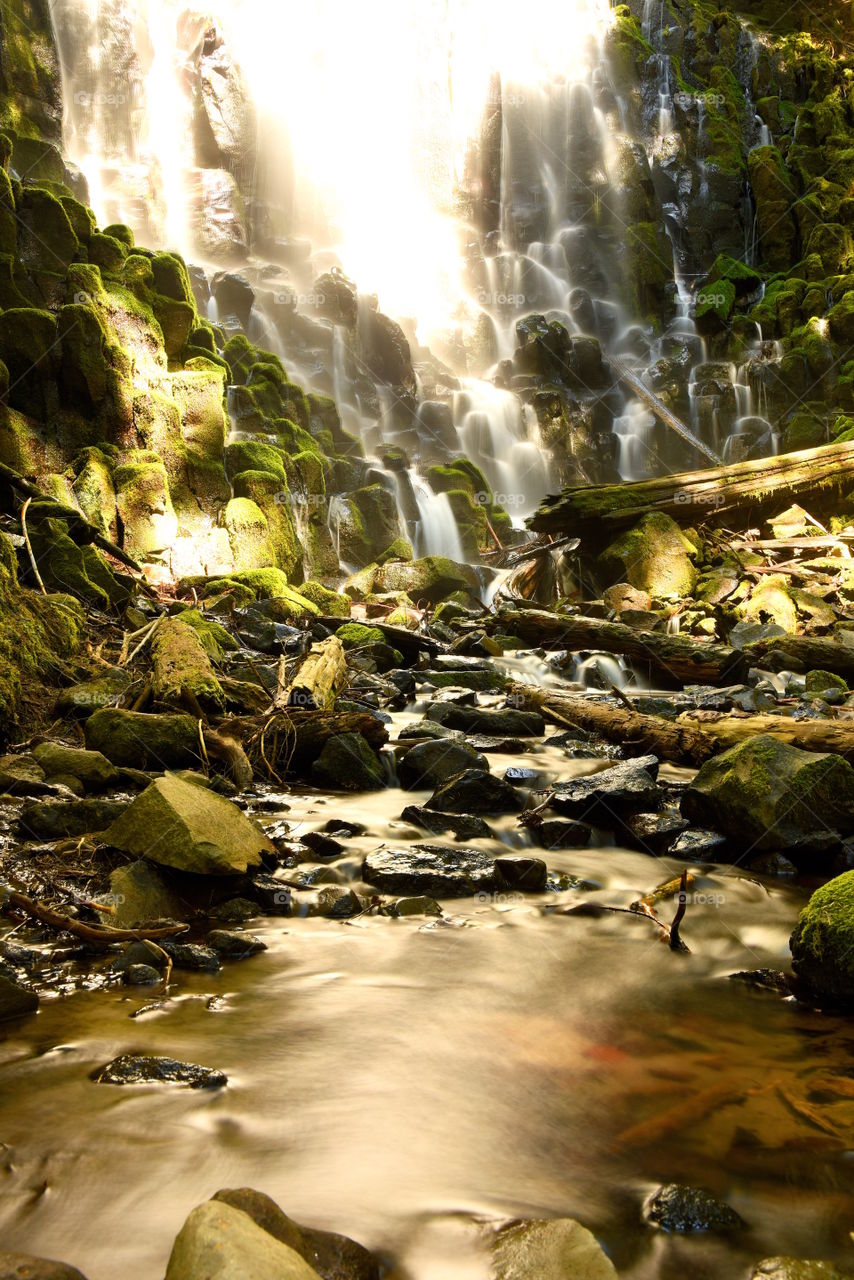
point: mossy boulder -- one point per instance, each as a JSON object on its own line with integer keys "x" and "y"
{"x": 823, "y": 942}
{"x": 774, "y": 194}
{"x": 430, "y": 579}
{"x": 654, "y": 556}
{"x": 46, "y": 239}
{"x": 331, "y": 603}
{"x": 28, "y": 348}
{"x": 77, "y": 570}
{"x": 355, "y": 635}
{"x": 840, "y": 320}
{"x": 148, "y": 520}
{"x": 83, "y": 368}
{"x": 137, "y": 740}
{"x": 347, "y": 763}
{"x": 216, "y": 641}
{"x": 771, "y": 601}
{"x": 818, "y": 682}
{"x": 764, "y": 794}
{"x": 107, "y": 253}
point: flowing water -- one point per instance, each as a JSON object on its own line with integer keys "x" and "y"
{"x": 403, "y": 1080}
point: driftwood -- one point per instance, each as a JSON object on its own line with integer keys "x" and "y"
{"x": 693, "y": 738}
{"x": 97, "y": 935}
{"x": 289, "y": 740}
{"x": 749, "y": 487}
{"x": 320, "y": 677}
{"x": 805, "y": 653}
{"x": 656, "y": 406}
{"x": 679, "y": 657}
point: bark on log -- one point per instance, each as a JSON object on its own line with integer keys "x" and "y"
{"x": 680, "y": 658}
{"x": 410, "y": 643}
{"x": 319, "y": 679}
{"x": 692, "y": 739}
{"x": 749, "y": 487}
{"x": 289, "y": 740}
{"x": 804, "y": 653}
{"x": 640, "y": 735}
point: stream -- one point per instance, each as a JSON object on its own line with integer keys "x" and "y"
{"x": 401, "y": 1080}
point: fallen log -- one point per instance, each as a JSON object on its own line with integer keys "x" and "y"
{"x": 691, "y": 739}
{"x": 638, "y": 388}
{"x": 638, "y": 734}
{"x": 678, "y": 657}
{"x": 410, "y": 643}
{"x": 803, "y": 653}
{"x": 749, "y": 487}
{"x": 319, "y": 679}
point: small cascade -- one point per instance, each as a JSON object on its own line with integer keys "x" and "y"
{"x": 436, "y": 532}
{"x": 636, "y": 459}
{"x": 602, "y": 671}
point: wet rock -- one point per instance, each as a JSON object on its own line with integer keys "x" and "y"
{"x": 136, "y": 1068}
{"x": 433, "y": 870}
{"x": 430, "y": 763}
{"x": 272, "y": 895}
{"x": 23, "y": 776}
{"x": 333, "y": 1256}
{"x": 92, "y": 768}
{"x": 140, "y": 975}
{"x": 236, "y": 911}
{"x": 347, "y": 763}
{"x": 764, "y": 980}
{"x": 526, "y": 874}
{"x": 141, "y": 741}
{"x": 192, "y": 957}
{"x": 337, "y": 903}
{"x": 83, "y": 700}
{"x": 498, "y": 745}
{"x": 654, "y": 556}
{"x": 322, "y": 845}
{"x": 25, "y": 1266}
{"x": 142, "y": 953}
{"x": 768, "y": 795}
{"x": 678, "y": 1208}
{"x": 463, "y": 826}
{"x": 420, "y": 906}
{"x": 424, "y": 730}
{"x": 797, "y": 1269}
{"x": 219, "y": 1242}
{"x": 823, "y": 942}
{"x": 612, "y": 793}
{"x": 234, "y": 946}
{"x": 488, "y": 720}
{"x": 177, "y": 824}
{"x": 475, "y": 791}
{"x": 773, "y": 864}
{"x": 56, "y": 819}
{"x": 555, "y": 834}
{"x": 655, "y": 832}
{"x": 700, "y": 844}
{"x": 553, "y": 1249}
{"x": 15, "y": 1000}
{"x": 480, "y": 681}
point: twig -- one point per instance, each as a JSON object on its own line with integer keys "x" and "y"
{"x": 29, "y": 546}
{"x": 676, "y": 943}
{"x": 88, "y": 933}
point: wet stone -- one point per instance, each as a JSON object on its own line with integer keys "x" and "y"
{"x": 655, "y": 832}
{"x": 234, "y": 946}
{"x": 624, "y": 788}
{"x": 420, "y": 906}
{"x": 140, "y": 975}
{"x": 683, "y": 1209}
{"x": 432, "y": 870}
{"x": 463, "y": 826}
{"x": 475, "y": 791}
{"x": 552, "y": 833}
{"x": 430, "y": 763}
{"x": 132, "y": 1068}
{"x": 25, "y": 1266}
{"x": 273, "y": 895}
{"x": 192, "y": 956}
{"x": 324, "y": 846}
{"x": 58, "y": 819}
{"x": 486, "y": 720}
{"x": 528, "y": 875}
{"x": 696, "y": 842}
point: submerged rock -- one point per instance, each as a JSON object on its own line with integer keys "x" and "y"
{"x": 553, "y": 1249}
{"x": 219, "y": 1242}
{"x": 25, "y": 1266}
{"x": 767, "y": 795}
{"x": 333, "y": 1256}
{"x": 178, "y": 824}
{"x": 688, "y": 1209}
{"x": 432, "y": 762}
{"x": 137, "y": 1068}
{"x": 432, "y": 870}
{"x": 823, "y": 942}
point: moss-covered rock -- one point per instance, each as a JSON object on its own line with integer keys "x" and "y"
{"x": 764, "y": 794}
{"x": 430, "y": 579}
{"x": 823, "y": 942}
{"x": 770, "y": 601}
{"x": 216, "y": 641}
{"x": 774, "y": 194}
{"x": 347, "y": 763}
{"x": 148, "y": 521}
{"x": 355, "y": 635}
{"x": 29, "y": 350}
{"x": 182, "y": 667}
{"x": 46, "y": 239}
{"x": 78, "y": 570}
{"x": 654, "y": 556}
{"x": 331, "y": 603}
{"x": 136, "y": 740}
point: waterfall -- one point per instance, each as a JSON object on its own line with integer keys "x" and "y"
{"x": 436, "y": 533}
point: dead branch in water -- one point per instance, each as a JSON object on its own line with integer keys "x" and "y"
{"x": 94, "y": 934}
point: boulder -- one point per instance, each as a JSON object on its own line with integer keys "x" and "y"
{"x": 24, "y": 1266}
{"x": 654, "y": 556}
{"x": 432, "y": 762}
{"x": 15, "y": 1000}
{"x": 431, "y": 579}
{"x": 58, "y": 819}
{"x": 333, "y": 1256}
{"x": 475, "y": 791}
{"x": 611, "y": 793}
{"x": 137, "y": 740}
{"x": 433, "y": 870}
{"x": 139, "y": 894}
{"x": 137, "y": 1068}
{"x": 767, "y": 795}
{"x": 463, "y": 826}
{"x": 797, "y": 1269}
{"x": 823, "y": 942}
{"x": 178, "y": 824}
{"x": 493, "y": 721}
{"x": 92, "y": 768}
{"x": 347, "y": 763}
{"x": 552, "y": 1249}
{"x": 684, "y": 1209}
{"x": 219, "y": 1242}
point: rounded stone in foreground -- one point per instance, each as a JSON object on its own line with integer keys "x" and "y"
{"x": 553, "y": 1249}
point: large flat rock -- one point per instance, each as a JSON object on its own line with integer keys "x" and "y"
{"x": 181, "y": 825}
{"x": 434, "y": 870}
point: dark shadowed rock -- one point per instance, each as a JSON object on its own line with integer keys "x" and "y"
{"x": 517, "y": 871}
{"x": 463, "y": 826}
{"x": 347, "y": 763}
{"x": 24, "y": 1266}
{"x": 15, "y": 1000}
{"x": 430, "y": 763}
{"x": 553, "y": 833}
{"x": 494, "y": 722}
{"x": 234, "y": 946}
{"x": 475, "y": 791}
{"x": 611, "y": 793}
{"x": 56, "y": 819}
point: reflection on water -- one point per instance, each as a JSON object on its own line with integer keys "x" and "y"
{"x": 395, "y": 1080}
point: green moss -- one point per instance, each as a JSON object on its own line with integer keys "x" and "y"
{"x": 107, "y": 253}
{"x": 118, "y": 231}
{"x": 266, "y": 491}
{"x": 354, "y": 635}
{"x": 29, "y": 351}
{"x": 176, "y": 319}
{"x": 654, "y": 556}
{"x": 214, "y": 637}
{"x": 171, "y": 279}
{"x": 254, "y": 455}
{"x": 331, "y": 603}
{"x": 400, "y": 549}
{"x": 823, "y": 941}
{"x": 774, "y": 195}
{"x": 182, "y": 666}
{"x": 46, "y": 239}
